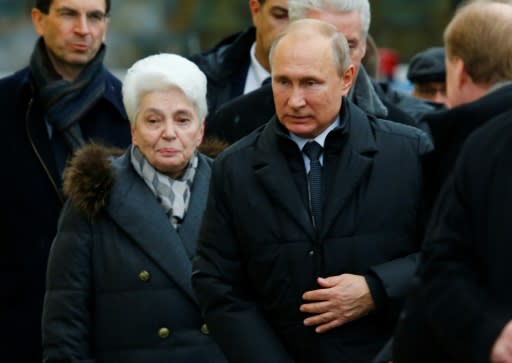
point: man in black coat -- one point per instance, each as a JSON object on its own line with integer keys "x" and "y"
{"x": 244, "y": 114}
{"x": 296, "y": 260}
{"x": 456, "y": 312}
{"x": 63, "y": 99}
{"x": 239, "y": 64}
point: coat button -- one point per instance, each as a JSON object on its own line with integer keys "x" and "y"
{"x": 311, "y": 253}
{"x": 205, "y": 330}
{"x": 164, "y": 333}
{"x": 144, "y": 276}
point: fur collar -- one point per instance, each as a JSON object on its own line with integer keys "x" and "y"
{"x": 89, "y": 176}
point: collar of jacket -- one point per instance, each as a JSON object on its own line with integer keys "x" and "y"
{"x": 364, "y": 95}
{"x": 355, "y": 130}
{"x": 228, "y": 55}
{"x": 459, "y": 122}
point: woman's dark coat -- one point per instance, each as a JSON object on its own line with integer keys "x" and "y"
{"x": 119, "y": 274}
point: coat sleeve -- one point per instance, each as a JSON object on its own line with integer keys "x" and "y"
{"x": 236, "y": 322}
{"x": 396, "y": 277}
{"x": 66, "y": 321}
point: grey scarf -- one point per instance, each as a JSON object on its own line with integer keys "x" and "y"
{"x": 173, "y": 194}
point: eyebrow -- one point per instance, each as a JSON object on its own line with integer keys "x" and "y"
{"x": 73, "y": 10}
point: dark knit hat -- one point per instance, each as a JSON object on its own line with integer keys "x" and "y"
{"x": 427, "y": 66}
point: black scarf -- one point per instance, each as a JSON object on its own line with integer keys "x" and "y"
{"x": 63, "y": 102}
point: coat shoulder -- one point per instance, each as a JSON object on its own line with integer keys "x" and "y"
{"x": 89, "y": 176}
{"x": 393, "y": 131}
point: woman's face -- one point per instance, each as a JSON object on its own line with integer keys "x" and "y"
{"x": 167, "y": 130}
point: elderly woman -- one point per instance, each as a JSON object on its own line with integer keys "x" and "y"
{"x": 119, "y": 271}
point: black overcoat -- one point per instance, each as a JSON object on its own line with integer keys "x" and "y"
{"x": 259, "y": 252}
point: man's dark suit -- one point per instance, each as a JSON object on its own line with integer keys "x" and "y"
{"x": 259, "y": 252}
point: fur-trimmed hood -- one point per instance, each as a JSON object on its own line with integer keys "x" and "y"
{"x": 89, "y": 176}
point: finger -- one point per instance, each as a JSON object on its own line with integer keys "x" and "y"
{"x": 317, "y": 295}
{"x": 330, "y": 281}
{"x": 328, "y": 326}
{"x": 315, "y": 308}
{"x": 319, "y": 319}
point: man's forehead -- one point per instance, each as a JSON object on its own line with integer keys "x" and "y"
{"x": 79, "y": 4}
{"x": 347, "y": 22}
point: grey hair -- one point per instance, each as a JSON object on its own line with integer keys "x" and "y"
{"x": 161, "y": 72}
{"x": 297, "y": 9}
{"x": 339, "y": 44}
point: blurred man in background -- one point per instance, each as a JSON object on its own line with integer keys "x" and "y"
{"x": 427, "y": 74}
{"x": 461, "y": 309}
{"x": 62, "y": 100}
{"x": 239, "y": 64}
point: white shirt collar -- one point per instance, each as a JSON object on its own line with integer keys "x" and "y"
{"x": 320, "y": 138}
{"x": 256, "y": 74}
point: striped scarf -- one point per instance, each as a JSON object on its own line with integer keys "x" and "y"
{"x": 63, "y": 102}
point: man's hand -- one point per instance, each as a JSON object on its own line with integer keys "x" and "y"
{"x": 502, "y": 350}
{"x": 341, "y": 299}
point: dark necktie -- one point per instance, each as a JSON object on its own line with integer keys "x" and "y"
{"x": 313, "y": 150}
{"x": 266, "y": 81}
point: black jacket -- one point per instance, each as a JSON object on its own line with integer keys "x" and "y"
{"x": 463, "y": 300}
{"x": 32, "y": 200}
{"x": 449, "y": 130}
{"x": 226, "y": 66}
{"x": 259, "y": 252}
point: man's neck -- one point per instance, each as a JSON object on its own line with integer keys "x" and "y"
{"x": 68, "y": 72}
{"x": 262, "y": 57}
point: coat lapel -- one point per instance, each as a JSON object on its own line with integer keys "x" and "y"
{"x": 272, "y": 171}
{"x": 37, "y": 133}
{"x": 351, "y": 167}
{"x": 135, "y": 209}
{"x": 189, "y": 229}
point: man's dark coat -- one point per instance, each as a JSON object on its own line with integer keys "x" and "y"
{"x": 464, "y": 298}
{"x": 259, "y": 252}
{"x": 31, "y": 203}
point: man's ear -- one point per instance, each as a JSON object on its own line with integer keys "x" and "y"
{"x": 348, "y": 78}
{"x": 37, "y": 21}
{"x": 255, "y": 7}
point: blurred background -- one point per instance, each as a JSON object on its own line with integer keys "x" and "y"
{"x": 138, "y": 28}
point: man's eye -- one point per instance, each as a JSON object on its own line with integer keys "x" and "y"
{"x": 96, "y": 17}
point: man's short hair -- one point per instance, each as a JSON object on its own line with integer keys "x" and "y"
{"x": 44, "y": 6}
{"x": 339, "y": 44}
{"x": 161, "y": 72}
{"x": 427, "y": 66}
{"x": 297, "y": 9}
{"x": 479, "y": 34}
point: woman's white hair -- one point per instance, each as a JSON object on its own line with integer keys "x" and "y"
{"x": 160, "y": 72}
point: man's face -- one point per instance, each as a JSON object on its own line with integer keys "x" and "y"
{"x": 73, "y": 31}
{"x": 350, "y": 25}
{"x": 430, "y": 91}
{"x": 270, "y": 19}
{"x": 307, "y": 87}
{"x": 454, "y": 69}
